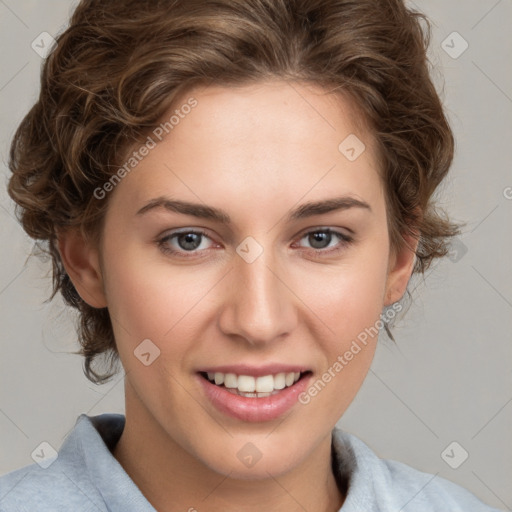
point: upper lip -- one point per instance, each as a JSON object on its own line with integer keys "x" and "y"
{"x": 255, "y": 371}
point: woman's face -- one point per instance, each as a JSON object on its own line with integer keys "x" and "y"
{"x": 248, "y": 242}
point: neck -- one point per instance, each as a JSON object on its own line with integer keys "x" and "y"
{"x": 173, "y": 480}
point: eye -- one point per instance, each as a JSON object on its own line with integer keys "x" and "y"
{"x": 182, "y": 242}
{"x": 326, "y": 240}
{"x": 189, "y": 243}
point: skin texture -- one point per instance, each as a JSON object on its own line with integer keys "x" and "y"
{"x": 257, "y": 152}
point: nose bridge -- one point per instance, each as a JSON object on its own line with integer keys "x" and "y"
{"x": 258, "y": 306}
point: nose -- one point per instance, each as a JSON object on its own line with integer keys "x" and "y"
{"x": 259, "y": 304}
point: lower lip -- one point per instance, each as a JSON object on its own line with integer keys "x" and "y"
{"x": 254, "y": 409}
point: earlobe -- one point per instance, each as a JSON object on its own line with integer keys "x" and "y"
{"x": 81, "y": 262}
{"x": 400, "y": 270}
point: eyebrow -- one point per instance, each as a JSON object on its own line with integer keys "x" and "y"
{"x": 208, "y": 212}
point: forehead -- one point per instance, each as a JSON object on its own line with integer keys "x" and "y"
{"x": 291, "y": 109}
{"x": 267, "y": 141}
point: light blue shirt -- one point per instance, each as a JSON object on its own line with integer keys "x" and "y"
{"x": 86, "y": 477}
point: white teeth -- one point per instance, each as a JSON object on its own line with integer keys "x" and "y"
{"x": 248, "y": 385}
{"x": 289, "y": 379}
{"x": 230, "y": 380}
{"x": 280, "y": 381}
{"x": 265, "y": 384}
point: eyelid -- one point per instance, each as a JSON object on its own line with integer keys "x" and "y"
{"x": 330, "y": 229}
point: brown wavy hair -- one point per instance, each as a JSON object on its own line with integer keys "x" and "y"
{"x": 117, "y": 68}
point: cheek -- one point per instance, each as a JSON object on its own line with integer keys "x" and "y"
{"x": 347, "y": 298}
{"x": 352, "y": 313}
{"x": 150, "y": 300}
{"x": 349, "y": 301}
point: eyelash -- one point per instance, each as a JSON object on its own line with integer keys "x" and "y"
{"x": 345, "y": 240}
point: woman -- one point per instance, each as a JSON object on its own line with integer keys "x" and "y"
{"x": 235, "y": 195}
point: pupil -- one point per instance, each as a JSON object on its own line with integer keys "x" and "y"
{"x": 317, "y": 239}
{"x": 190, "y": 241}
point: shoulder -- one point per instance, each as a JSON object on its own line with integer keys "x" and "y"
{"x": 56, "y": 488}
{"x": 389, "y": 485}
{"x": 63, "y": 482}
{"x": 423, "y": 491}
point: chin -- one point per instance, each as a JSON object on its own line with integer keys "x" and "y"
{"x": 267, "y": 467}
{"x": 246, "y": 457}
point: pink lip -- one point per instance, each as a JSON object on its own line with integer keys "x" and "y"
{"x": 253, "y": 409}
{"x": 255, "y": 371}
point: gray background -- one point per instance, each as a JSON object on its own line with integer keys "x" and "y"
{"x": 448, "y": 379}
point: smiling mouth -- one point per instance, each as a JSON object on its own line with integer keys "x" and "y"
{"x": 254, "y": 387}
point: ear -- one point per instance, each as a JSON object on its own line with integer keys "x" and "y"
{"x": 82, "y": 264}
{"x": 401, "y": 264}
